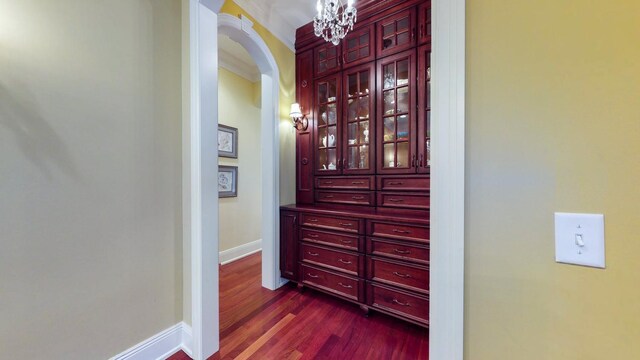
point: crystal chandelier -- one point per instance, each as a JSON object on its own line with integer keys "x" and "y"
{"x": 333, "y": 20}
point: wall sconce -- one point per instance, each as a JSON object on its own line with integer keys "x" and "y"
{"x": 300, "y": 121}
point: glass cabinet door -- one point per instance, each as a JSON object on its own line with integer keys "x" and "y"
{"x": 358, "y": 47}
{"x": 424, "y": 108}
{"x": 396, "y": 33}
{"x": 327, "y": 93}
{"x": 358, "y": 114}
{"x": 424, "y": 21}
{"x": 396, "y": 114}
{"x": 327, "y": 59}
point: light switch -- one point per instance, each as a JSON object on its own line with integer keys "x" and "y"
{"x": 580, "y": 239}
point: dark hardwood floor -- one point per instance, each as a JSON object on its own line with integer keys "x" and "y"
{"x": 256, "y": 323}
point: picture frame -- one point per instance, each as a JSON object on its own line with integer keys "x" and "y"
{"x": 227, "y": 141}
{"x": 227, "y": 181}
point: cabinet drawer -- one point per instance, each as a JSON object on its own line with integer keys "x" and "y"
{"x": 404, "y": 200}
{"x": 399, "y": 231}
{"x": 331, "y": 222}
{"x": 350, "y": 242}
{"x": 350, "y": 263}
{"x": 352, "y": 198}
{"x": 404, "y": 275}
{"x": 346, "y": 183}
{"x": 395, "y": 183}
{"x": 399, "y": 250}
{"x": 412, "y": 306}
{"x": 342, "y": 285}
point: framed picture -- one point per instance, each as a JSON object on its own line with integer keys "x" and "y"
{"x": 227, "y": 141}
{"x": 227, "y": 181}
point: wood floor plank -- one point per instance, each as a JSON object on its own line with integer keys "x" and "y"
{"x": 259, "y": 324}
{"x": 246, "y": 354}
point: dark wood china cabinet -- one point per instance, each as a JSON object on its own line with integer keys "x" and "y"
{"x": 360, "y": 227}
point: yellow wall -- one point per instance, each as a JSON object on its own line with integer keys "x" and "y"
{"x": 90, "y": 176}
{"x": 553, "y": 124}
{"x": 285, "y": 58}
{"x": 241, "y": 217}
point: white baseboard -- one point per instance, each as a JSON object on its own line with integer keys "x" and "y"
{"x": 239, "y": 252}
{"x": 162, "y": 345}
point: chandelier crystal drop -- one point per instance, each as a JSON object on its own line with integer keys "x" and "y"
{"x": 334, "y": 20}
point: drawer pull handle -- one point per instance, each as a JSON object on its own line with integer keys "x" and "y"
{"x": 357, "y": 197}
{"x": 314, "y": 236}
{"x": 401, "y": 275}
{"x": 345, "y": 241}
{"x": 328, "y": 196}
{"x": 344, "y": 262}
{"x": 396, "y": 183}
{"x": 312, "y": 254}
{"x": 357, "y": 183}
{"x": 312, "y": 276}
{"x": 328, "y": 182}
{"x": 401, "y": 231}
{"x": 346, "y": 224}
{"x": 400, "y": 303}
{"x": 345, "y": 286}
{"x": 396, "y": 200}
{"x": 313, "y": 220}
{"x": 402, "y": 251}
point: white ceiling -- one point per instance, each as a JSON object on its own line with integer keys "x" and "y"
{"x": 281, "y": 17}
{"x": 233, "y": 57}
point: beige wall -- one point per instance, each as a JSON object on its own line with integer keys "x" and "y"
{"x": 241, "y": 217}
{"x": 90, "y": 222}
{"x": 553, "y": 124}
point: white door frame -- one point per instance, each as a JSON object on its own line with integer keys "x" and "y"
{"x": 200, "y": 174}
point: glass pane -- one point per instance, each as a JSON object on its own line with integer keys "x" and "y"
{"x": 364, "y": 51}
{"x": 322, "y": 92}
{"x": 403, "y": 128}
{"x": 389, "y": 129}
{"x": 364, "y": 132}
{"x": 403, "y": 72}
{"x": 327, "y": 159}
{"x": 331, "y": 114}
{"x": 403, "y": 99}
{"x": 352, "y": 81}
{"x": 332, "y": 137}
{"x": 332, "y": 91}
{"x": 352, "y": 132}
{"x": 387, "y": 30}
{"x": 322, "y": 137}
{"x": 331, "y": 63}
{"x": 363, "y": 108}
{"x": 389, "y": 102}
{"x": 351, "y": 43}
{"x": 352, "y": 112}
{"x": 402, "y": 24}
{"x": 403, "y": 38}
{"x": 364, "y": 157}
{"x": 332, "y": 52}
{"x": 323, "y": 115}
{"x": 389, "y": 160}
{"x": 364, "y": 39}
{"x": 389, "y": 78}
{"x": 364, "y": 82}
{"x": 352, "y": 158}
{"x": 403, "y": 155}
{"x": 428, "y": 127}
{"x": 322, "y": 67}
{"x": 322, "y": 55}
{"x": 352, "y": 55}
{"x": 387, "y": 43}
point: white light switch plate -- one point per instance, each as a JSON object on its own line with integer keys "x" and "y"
{"x": 580, "y": 239}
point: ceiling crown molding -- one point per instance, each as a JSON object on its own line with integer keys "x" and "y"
{"x": 277, "y": 24}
